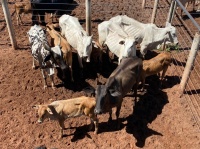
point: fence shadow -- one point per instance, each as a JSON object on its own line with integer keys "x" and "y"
{"x": 145, "y": 111}
{"x": 194, "y": 14}
{"x": 191, "y": 92}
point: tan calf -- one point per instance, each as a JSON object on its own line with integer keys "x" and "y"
{"x": 63, "y": 109}
{"x": 155, "y": 65}
{"x": 21, "y": 8}
{"x": 65, "y": 47}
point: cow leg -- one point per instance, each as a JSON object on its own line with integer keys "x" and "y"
{"x": 71, "y": 73}
{"x": 94, "y": 120}
{"x": 143, "y": 82}
{"x": 34, "y": 20}
{"x": 33, "y": 66}
{"x": 20, "y": 19}
{"x": 52, "y": 82}
{"x": 117, "y": 115}
{"x": 163, "y": 74}
{"x": 69, "y": 58}
{"x": 44, "y": 77}
{"x": 135, "y": 92}
{"x": 81, "y": 65}
{"x": 110, "y": 116}
{"x": 17, "y": 19}
{"x": 62, "y": 126}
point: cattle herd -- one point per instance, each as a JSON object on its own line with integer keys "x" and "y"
{"x": 120, "y": 35}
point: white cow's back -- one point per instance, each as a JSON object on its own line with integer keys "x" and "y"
{"x": 112, "y": 41}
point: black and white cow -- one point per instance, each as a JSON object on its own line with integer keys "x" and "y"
{"x": 121, "y": 81}
{"x": 47, "y": 57}
{"x": 40, "y": 7}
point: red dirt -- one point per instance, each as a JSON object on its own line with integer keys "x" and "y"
{"x": 160, "y": 119}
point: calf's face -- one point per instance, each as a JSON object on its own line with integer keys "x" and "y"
{"x": 129, "y": 47}
{"x": 172, "y": 34}
{"x": 43, "y": 112}
{"x": 87, "y": 49}
{"x": 102, "y": 99}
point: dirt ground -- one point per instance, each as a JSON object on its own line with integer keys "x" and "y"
{"x": 159, "y": 120}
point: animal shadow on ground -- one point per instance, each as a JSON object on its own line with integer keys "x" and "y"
{"x": 178, "y": 63}
{"x": 80, "y": 133}
{"x": 194, "y": 14}
{"x": 191, "y": 92}
{"x": 153, "y": 83}
{"x": 110, "y": 126}
{"x": 89, "y": 71}
{"x": 145, "y": 111}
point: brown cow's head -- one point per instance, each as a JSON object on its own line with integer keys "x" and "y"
{"x": 43, "y": 112}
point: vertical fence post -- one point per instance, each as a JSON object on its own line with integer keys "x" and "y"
{"x": 9, "y": 23}
{"x": 190, "y": 62}
{"x": 154, "y": 11}
{"x": 88, "y": 16}
{"x": 143, "y": 3}
{"x": 171, "y": 11}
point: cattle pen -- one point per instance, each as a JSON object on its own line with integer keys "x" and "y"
{"x": 158, "y": 12}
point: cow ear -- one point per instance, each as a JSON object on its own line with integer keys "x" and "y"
{"x": 36, "y": 106}
{"x": 122, "y": 42}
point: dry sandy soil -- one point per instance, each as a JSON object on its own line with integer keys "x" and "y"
{"x": 160, "y": 119}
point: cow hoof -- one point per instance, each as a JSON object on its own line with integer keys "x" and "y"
{"x": 95, "y": 132}
{"x": 33, "y": 67}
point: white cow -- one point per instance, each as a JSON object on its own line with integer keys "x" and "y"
{"x": 106, "y": 27}
{"x": 77, "y": 37}
{"x": 116, "y": 39}
{"x": 149, "y": 36}
{"x": 121, "y": 47}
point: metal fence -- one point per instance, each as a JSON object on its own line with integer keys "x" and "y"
{"x": 188, "y": 54}
{"x": 102, "y": 11}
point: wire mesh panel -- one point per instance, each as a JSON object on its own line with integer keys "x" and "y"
{"x": 186, "y": 31}
{"x": 105, "y": 9}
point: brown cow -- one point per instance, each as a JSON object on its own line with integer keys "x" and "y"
{"x": 155, "y": 65}
{"x": 63, "y": 109}
{"x": 65, "y": 47}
